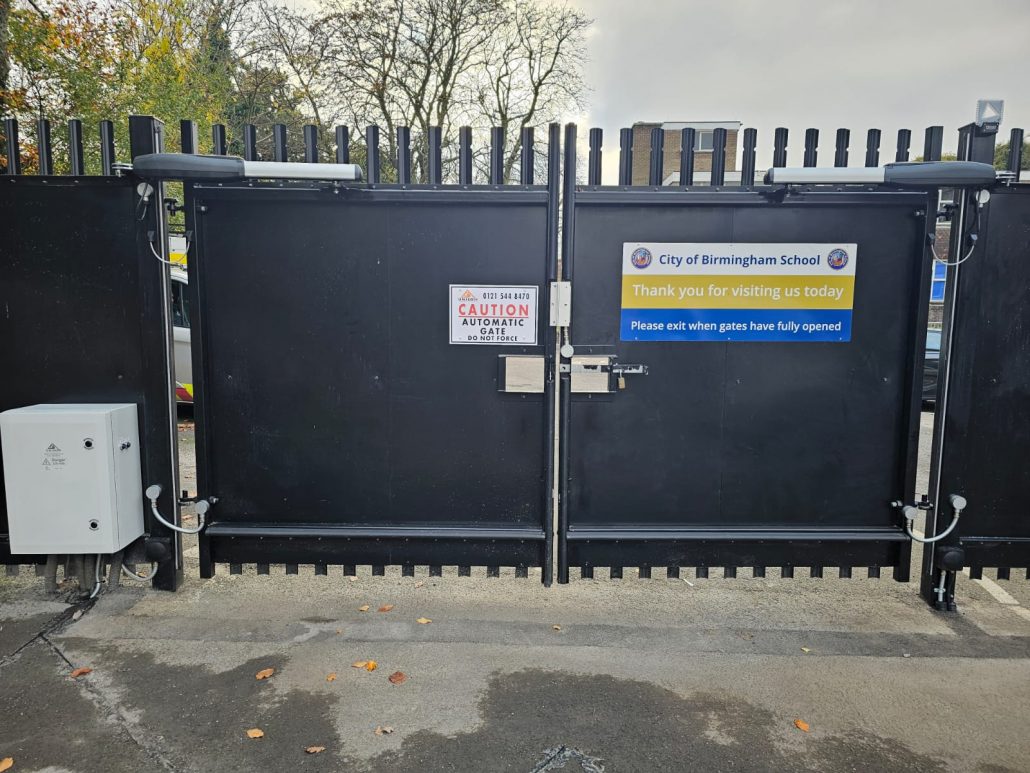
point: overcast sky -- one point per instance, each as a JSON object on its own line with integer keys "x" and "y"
{"x": 860, "y": 64}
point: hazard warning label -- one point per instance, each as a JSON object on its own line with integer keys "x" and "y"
{"x": 53, "y": 458}
{"x": 494, "y": 314}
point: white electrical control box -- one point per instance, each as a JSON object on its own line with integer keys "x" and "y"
{"x": 72, "y": 477}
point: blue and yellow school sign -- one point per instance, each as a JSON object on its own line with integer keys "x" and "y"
{"x": 737, "y": 292}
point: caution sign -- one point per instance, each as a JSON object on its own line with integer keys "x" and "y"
{"x": 494, "y": 314}
{"x": 54, "y": 458}
{"x": 737, "y": 292}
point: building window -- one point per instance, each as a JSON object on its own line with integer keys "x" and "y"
{"x": 704, "y": 141}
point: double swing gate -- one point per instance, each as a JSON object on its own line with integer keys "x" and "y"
{"x": 406, "y": 374}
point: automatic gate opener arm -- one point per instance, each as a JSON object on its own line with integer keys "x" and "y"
{"x": 958, "y": 504}
{"x": 915, "y": 174}
{"x": 188, "y": 166}
{"x": 203, "y": 506}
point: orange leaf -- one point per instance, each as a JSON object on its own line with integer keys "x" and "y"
{"x": 371, "y": 665}
{"x": 81, "y": 672}
{"x": 423, "y": 621}
{"x": 398, "y": 677}
{"x": 315, "y": 749}
{"x": 386, "y": 607}
{"x": 6, "y": 764}
{"x": 331, "y": 677}
{"x": 255, "y": 732}
{"x": 363, "y": 608}
{"x": 264, "y": 673}
{"x": 800, "y": 724}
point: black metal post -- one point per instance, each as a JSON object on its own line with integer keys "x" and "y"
{"x": 526, "y": 165}
{"x": 718, "y": 157}
{"x": 688, "y": 137}
{"x": 160, "y": 453}
{"x": 747, "y": 159}
{"x": 1015, "y": 151}
{"x": 342, "y": 145}
{"x": 465, "y": 155}
{"x": 550, "y": 343}
{"x": 904, "y": 143}
{"x": 13, "y": 146}
{"x": 933, "y": 143}
{"x": 106, "y": 148}
{"x": 372, "y": 153}
{"x": 565, "y": 393}
{"x": 657, "y": 161}
{"x": 403, "y": 155}
{"x": 872, "y": 147}
{"x": 76, "y": 159}
{"x": 594, "y": 160}
{"x": 219, "y": 140}
{"x": 435, "y": 165}
{"x": 497, "y": 156}
{"x": 840, "y": 157}
{"x": 811, "y": 147}
{"x": 46, "y": 153}
{"x": 188, "y": 137}
{"x": 310, "y": 144}
{"x": 625, "y": 157}
{"x": 250, "y": 151}
{"x": 280, "y": 149}
{"x": 780, "y": 147}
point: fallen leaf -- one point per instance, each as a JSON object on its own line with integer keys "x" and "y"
{"x": 363, "y": 608}
{"x": 386, "y": 607}
{"x": 81, "y": 672}
{"x": 556, "y": 627}
{"x": 315, "y": 749}
{"x": 264, "y": 673}
{"x": 805, "y": 649}
{"x": 420, "y": 583}
{"x": 423, "y": 621}
{"x": 359, "y": 664}
{"x": 398, "y": 677}
{"x": 371, "y": 665}
{"x": 383, "y": 730}
{"x": 77, "y": 614}
{"x": 331, "y": 677}
{"x": 6, "y": 764}
{"x": 255, "y": 732}
{"x": 339, "y": 630}
{"x": 801, "y": 725}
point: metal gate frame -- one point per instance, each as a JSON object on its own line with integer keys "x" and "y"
{"x": 327, "y": 544}
{"x": 141, "y": 339}
{"x": 787, "y": 548}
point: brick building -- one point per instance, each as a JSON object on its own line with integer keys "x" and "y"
{"x": 671, "y": 161}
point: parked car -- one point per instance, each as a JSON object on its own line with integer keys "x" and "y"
{"x": 181, "y": 335}
{"x": 931, "y": 366}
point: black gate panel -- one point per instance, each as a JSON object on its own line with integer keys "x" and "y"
{"x": 985, "y": 409}
{"x": 81, "y": 318}
{"x": 336, "y": 422}
{"x": 746, "y": 453}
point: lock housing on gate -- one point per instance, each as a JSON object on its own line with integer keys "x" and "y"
{"x": 599, "y": 374}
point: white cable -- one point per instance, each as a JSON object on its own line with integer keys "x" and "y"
{"x": 964, "y": 258}
{"x": 96, "y": 576}
{"x": 134, "y": 576}
{"x": 958, "y": 504}
{"x": 153, "y": 492}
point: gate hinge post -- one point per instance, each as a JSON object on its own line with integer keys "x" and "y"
{"x": 561, "y": 304}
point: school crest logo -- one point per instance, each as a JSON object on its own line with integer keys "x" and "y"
{"x": 641, "y": 257}
{"x": 837, "y": 259}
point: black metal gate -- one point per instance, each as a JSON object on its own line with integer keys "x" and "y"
{"x": 85, "y": 304}
{"x": 740, "y": 453}
{"x": 982, "y": 439}
{"x": 338, "y": 419}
